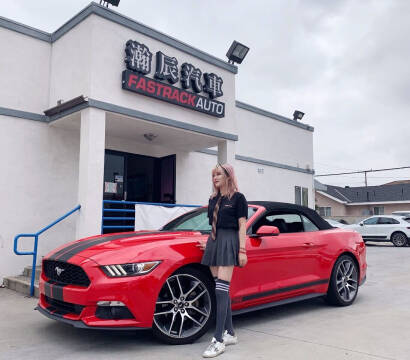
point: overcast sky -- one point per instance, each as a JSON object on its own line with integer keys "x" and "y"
{"x": 344, "y": 63}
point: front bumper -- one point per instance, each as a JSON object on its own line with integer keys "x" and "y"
{"x": 77, "y": 305}
{"x": 77, "y": 323}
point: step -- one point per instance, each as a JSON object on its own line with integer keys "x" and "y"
{"x": 20, "y": 284}
{"x": 28, "y": 270}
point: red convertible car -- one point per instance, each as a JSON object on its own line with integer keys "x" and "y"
{"x": 155, "y": 280}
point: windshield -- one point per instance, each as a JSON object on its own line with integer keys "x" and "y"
{"x": 196, "y": 220}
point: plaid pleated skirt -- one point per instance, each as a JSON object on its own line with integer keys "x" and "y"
{"x": 224, "y": 250}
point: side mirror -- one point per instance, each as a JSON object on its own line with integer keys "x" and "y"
{"x": 267, "y": 230}
{"x": 361, "y": 223}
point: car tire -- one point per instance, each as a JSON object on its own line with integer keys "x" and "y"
{"x": 344, "y": 282}
{"x": 399, "y": 239}
{"x": 185, "y": 308}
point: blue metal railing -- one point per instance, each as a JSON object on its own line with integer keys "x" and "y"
{"x": 34, "y": 252}
{"x": 126, "y": 218}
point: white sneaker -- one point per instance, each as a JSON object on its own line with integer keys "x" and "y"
{"x": 215, "y": 348}
{"x": 229, "y": 339}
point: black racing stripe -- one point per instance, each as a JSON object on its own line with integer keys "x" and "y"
{"x": 58, "y": 292}
{"x": 47, "y": 289}
{"x": 74, "y": 246}
{"x": 65, "y": 249}
{"x": 90, "y": 243}
{"x": 285, "y": 289}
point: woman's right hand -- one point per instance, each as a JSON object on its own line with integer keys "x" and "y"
{"x": 201, "y": 244}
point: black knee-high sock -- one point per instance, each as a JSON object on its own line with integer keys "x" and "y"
{"x": 228, "y": 320}
{"x": 222, "y": 300}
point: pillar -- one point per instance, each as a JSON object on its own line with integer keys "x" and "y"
{"x": 226, "y": 152}
{"x": 91, "y": 172}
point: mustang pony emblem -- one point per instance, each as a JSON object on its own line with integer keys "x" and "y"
{"x": 58, "y": 270}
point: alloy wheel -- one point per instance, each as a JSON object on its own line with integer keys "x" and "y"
{"x": 183, "y": 306}
{"x": 399, "y": 239}
{"x": 346, "y": 280}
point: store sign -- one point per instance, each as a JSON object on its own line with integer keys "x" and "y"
{"x": 138, "y": 61}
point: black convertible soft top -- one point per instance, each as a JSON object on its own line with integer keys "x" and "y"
{"x": 295, "y": 209}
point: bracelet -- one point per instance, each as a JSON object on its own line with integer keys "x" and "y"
{"x": 242, "y": 251}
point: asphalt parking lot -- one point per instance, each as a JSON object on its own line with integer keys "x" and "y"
{"x": 376, "y": 326}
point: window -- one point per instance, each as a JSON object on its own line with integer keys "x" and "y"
{"x": 196, "y": 220}
{"x": 286, "y": 223}
{"x": 371, "y": 221}
{"x": 387, "y": 221}
{"x": 301, "y": 196}
{"x": 325, "y": 211}
{"x": 298, "y": 195}
{"x": 308, "y": 225}
{"x": 305, "y": 197}
{"x": 378, "y": 210}
{"x": 251, "y": 211}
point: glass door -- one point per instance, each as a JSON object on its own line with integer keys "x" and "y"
{"x": 114, "y": 173}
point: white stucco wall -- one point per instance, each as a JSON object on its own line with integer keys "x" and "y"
{"x": 269, "y": 139}
{"x": 24, "y": 72}
{"x": 71, "y": 63}
{"x": 39, "y": 184}
{"x": 193, "y": 180}
{"x": 107, "y": 51}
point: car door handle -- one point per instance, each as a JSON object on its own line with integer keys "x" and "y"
{"x": 308, "y": 244}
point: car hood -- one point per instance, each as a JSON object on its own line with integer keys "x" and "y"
{"x": 126, "y": 247}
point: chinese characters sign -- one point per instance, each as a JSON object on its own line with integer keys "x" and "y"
{"x": 138, "y": 61}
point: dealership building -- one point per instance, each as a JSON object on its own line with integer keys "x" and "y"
{"x": 106, "y": 108}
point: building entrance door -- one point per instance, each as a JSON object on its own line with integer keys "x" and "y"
{"x": 135, "y": 178}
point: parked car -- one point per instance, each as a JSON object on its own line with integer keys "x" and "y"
{"x": 155, "y": 280}
{"x": 401, "y": 213}
{"x": 335, "y": 223}
{"x": 384, "y": 228}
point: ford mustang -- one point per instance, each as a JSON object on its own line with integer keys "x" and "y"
{"x": 154, "y": 279}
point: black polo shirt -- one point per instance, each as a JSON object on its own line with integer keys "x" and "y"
{"x": 230, "y": 210}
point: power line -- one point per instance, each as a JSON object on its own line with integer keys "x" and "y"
{"x": 365, "y": 172}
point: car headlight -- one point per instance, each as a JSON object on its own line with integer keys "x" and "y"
{"x": 133, "y": 269}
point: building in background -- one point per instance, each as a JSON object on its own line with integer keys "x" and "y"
{"x": 108, "y": 108}
{"x": 356, "y": 203}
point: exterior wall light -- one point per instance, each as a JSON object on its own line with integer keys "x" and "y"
{"x": 112, "y": 2}
{"x": 237, "y": 53}
{"x": 150, "y": 136}
{"x": 298, "y": 115}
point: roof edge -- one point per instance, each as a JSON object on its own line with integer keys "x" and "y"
{"x": 116, "y": 17}
{"x": 24, "y": 29}
{"x": 272, "y": 115}
{"x": 331, "y": 197}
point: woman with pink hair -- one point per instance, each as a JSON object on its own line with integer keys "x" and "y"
{"x": 224, "y": 249}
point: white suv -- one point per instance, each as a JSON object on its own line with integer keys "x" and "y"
{"x": 401, "y": 213}
{"x": 384, "y": 228}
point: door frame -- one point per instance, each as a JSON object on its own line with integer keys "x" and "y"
{"x": 157, "y": 168}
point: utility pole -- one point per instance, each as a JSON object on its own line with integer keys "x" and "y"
{"x": 365, "y": 172}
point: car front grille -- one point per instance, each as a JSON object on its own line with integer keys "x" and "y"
{"x": 65, "y": 273}
{"x": 63, "y": 308}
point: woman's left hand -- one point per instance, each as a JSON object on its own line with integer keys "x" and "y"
{"x": 243, "y": 259}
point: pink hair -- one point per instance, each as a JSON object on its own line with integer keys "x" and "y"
{"x": 231, "y": 179}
